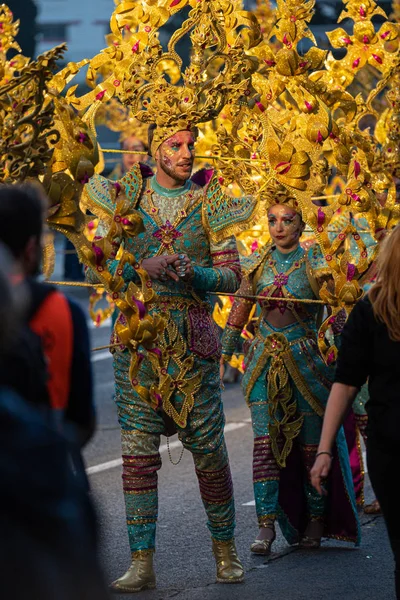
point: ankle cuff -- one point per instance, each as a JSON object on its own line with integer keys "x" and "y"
{"x": 143, "y": 553}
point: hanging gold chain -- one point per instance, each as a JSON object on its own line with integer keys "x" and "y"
{"x": 170, "y": 455}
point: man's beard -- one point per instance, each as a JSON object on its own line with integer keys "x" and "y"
{"x": 170, "y": 171}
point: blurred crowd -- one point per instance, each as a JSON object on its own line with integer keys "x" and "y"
{"x": 48, "y": 542}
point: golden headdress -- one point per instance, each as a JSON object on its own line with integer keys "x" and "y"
{"x": 28, "y": 132}
{"x": 138, "y": 69}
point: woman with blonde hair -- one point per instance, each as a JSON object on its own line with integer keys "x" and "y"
{"x": 370, "y": 350}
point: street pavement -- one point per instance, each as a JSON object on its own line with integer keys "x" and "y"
{"x": 184, "y": 564}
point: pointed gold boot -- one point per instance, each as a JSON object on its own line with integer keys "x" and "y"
{"x": 229, "y": 567}
{"x": 140, "y": 575}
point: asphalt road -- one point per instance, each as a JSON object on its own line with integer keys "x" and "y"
{"x": 184, "y": 563}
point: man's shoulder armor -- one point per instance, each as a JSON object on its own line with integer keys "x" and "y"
{"x": 226, "y": 215}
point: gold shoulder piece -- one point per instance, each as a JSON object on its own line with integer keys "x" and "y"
{"x": 225, "y": 215}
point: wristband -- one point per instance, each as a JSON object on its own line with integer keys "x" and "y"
{"x": 328, "y": 453}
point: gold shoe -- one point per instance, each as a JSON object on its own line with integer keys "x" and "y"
{"x": 140, "y": 575}
{"x": 229, "y": 567}
{"x": 263, "y": 547}
{"x": 310, "y": 543}
{"x": 373, "y": 509}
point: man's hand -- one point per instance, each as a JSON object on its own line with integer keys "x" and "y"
{"x": 183, "y": 267}
{"x": 159, "y": 267}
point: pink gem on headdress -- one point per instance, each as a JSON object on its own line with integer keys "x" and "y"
{"x": 135, "y": 48}
{"x": 357, "y": 169}
{"x": 309, "y": 106}
{"x": 347, "y": 40}
{"x": 320, "y": 217}
{"x": 384, "y": 35}
{"x": 366, "y": 39}
{"x": 174, "y": 3}
{"x": 362, "y": 12}
{"x": 320, "y": 139}
{"x": 356, "y": 62}
{"x": 100, "y": 95}
{"x": 270, "y": 63}
{"x": 254, "y": 246}
{"x": 378, "y": 59}
{"x": 261, "y": 106}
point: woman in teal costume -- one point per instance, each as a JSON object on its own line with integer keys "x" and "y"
{"x": 286, "y": 385}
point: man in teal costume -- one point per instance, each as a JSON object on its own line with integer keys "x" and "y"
{"x": 188, "y": 250}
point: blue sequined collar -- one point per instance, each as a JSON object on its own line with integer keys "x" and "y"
{"x": 169, "y": 193}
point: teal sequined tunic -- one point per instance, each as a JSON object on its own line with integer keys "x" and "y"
{"x": 286, "y": 384}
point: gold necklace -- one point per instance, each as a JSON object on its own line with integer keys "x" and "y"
{"x": 167, "y": 232}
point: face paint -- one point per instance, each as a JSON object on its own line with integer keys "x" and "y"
{"x": 285, "y": 227}
{"x": 176, "y": 155}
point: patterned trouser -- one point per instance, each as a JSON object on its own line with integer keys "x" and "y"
{"x": 266, "y": 472}
{"x": 141, "y": 427}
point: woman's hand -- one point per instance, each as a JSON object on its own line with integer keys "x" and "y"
{"x": 183, "y": 266}
{"x": 159, "y": 267}
{"x": 320, "y": 471}
{"x": 222, "y": 368}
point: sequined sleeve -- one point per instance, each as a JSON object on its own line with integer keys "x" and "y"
{"x": 225, "y": 274}
{"x": 238, "y": 318}
{"x": 129, "y": 273}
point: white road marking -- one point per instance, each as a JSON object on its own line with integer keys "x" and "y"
{"x": 101, "y": 355}
{"x": 111, "y": 464}
{"x": 364, "y": 455}
{"x": 251, "y": 503}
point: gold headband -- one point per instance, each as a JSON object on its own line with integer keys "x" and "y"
{"x": 162, "y": 134}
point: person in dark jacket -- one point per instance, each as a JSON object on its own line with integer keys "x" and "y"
{"x": 47, "y": 522}
{"x": 370, "y": 351}
{"x": 57, "y": 321}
